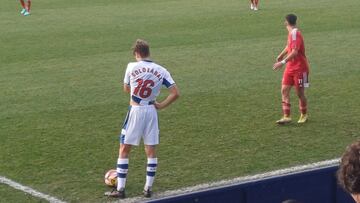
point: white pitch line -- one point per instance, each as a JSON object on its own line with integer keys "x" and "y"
{"x": 238, "y": 180}
{"x": 29, "y": 190}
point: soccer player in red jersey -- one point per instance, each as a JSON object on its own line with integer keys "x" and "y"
{"x": 296, "y": 72}
{"x": 26, "y": 7}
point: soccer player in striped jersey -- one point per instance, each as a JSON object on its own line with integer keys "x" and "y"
{"x": 296, "y": 72}
{"x": 25, "y": 7}
{"x": 143, "y": 80}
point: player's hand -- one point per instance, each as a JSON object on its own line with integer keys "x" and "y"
{"x": 158, "y": 105}
{"x": 277, "y": 65}
{"x": 279, "y": 58}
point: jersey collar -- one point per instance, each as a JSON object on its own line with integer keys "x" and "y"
{"x": 147, "y": 60}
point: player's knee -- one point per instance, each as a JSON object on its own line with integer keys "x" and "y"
{"x": 124, "y": 151}
{"x": 302, "y": 97}
{"x": 300, "y": 93}
{"x": 150, "y": 151}
{"x": 285, "y": 92}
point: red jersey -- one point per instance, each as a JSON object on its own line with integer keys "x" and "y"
{"x": 298, "y": 63}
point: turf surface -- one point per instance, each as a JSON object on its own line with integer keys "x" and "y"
{"x": 61, "y": 103}
{"x": 8, "y": 194}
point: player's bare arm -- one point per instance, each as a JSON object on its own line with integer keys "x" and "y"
{"x": 282, "y": 54}
{"x": 293, "y": 54}
{"x": 290, "y": 56}
{"x": 173, "y": 95}
{"x": 126, "y": 88}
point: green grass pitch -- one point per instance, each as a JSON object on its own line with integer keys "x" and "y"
{"x": 8, "y": 194}
{"x": 61, "y": 99}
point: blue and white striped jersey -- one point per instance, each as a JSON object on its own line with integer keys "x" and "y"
{"x": 145, "y": 79}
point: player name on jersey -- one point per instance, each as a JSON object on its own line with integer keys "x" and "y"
{"x": 146, "y": 70}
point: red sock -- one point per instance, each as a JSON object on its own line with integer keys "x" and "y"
{"x": 29, "y": 5}
{"x": 22, "y": 3}
{"x": 303, "y": 106}
{"x": 286, "y": 108}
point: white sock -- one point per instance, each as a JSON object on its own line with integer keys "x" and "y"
{"x": 150, "y": 172}
{"x": 122, "y": 169}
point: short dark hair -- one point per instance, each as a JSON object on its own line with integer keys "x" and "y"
{"x": 291, "y": 201}
{"x": 348, "y": 174}
{"x": 291, "y": 19}
{"x": 141, "y": 47}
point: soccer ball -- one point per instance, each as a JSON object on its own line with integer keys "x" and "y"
{"x": 111, "y": 178}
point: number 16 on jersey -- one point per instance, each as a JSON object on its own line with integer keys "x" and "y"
{"x": 143, "y": 89}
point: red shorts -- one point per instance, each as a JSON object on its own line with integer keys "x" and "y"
{"x": 297, "y": 79}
